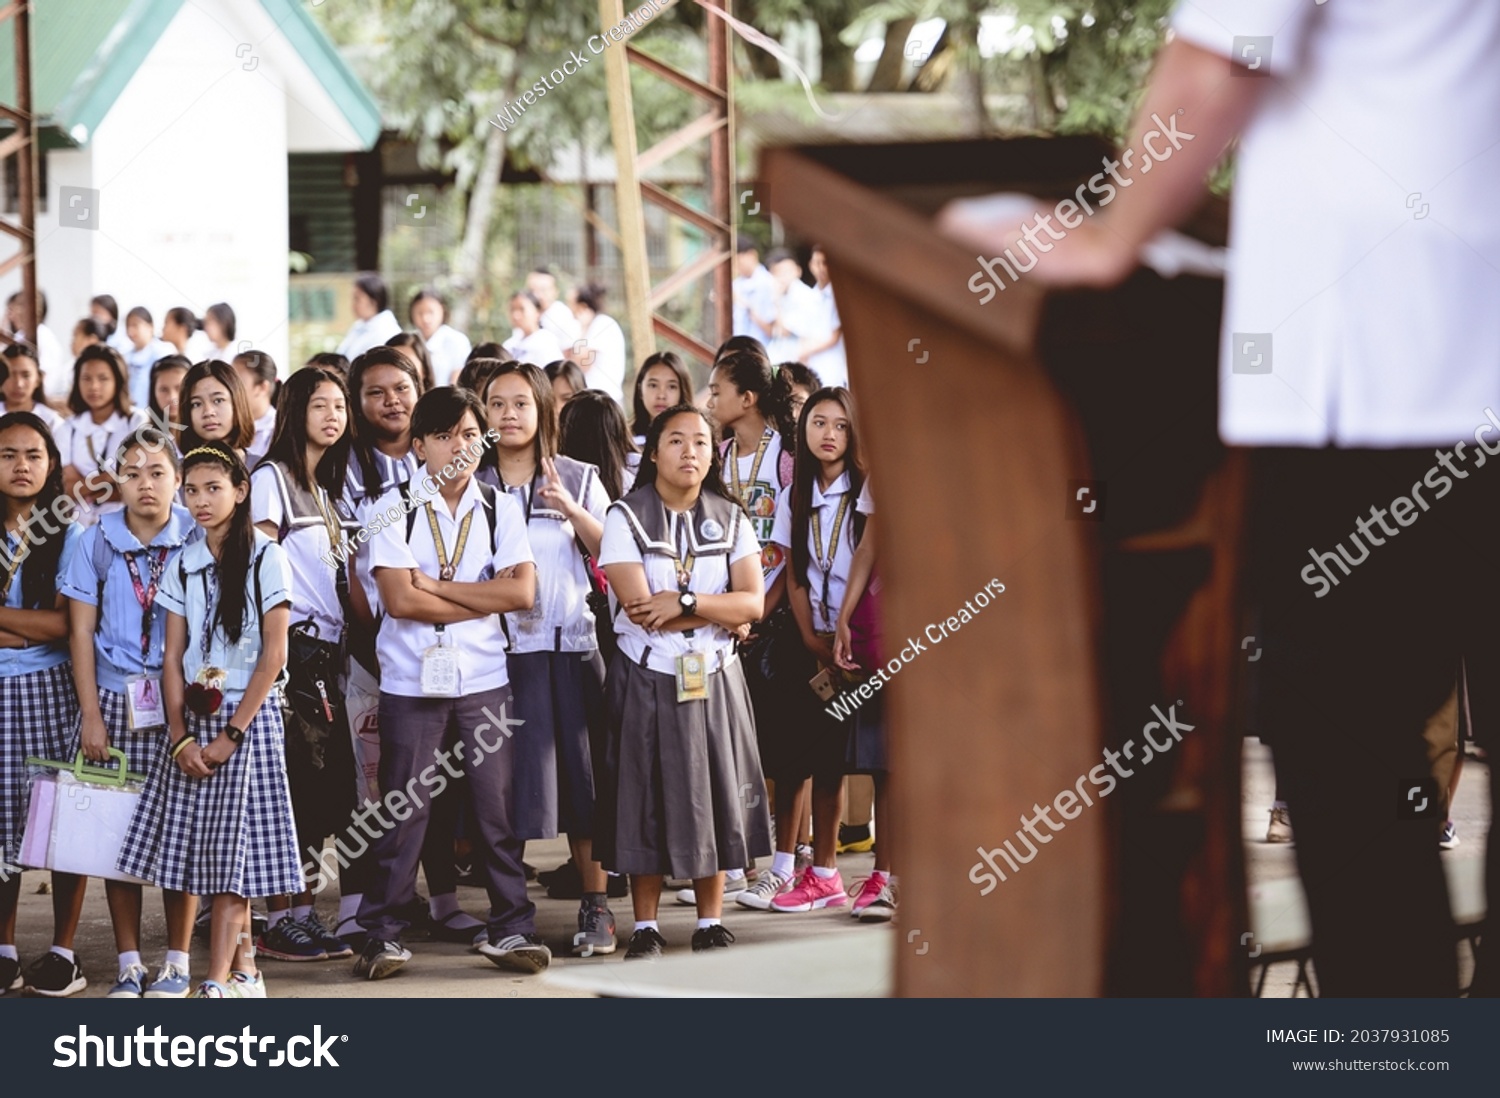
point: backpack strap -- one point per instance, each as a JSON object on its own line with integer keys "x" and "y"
{"x": 101, "y": 560}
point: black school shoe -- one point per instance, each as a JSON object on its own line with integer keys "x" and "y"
{"x": 645, "y": 945}
{"x": 10, "y": 975}
{"x": 380, "y": 959}
{"x": 717, "y": 936}
{"x": 53, "y": 976}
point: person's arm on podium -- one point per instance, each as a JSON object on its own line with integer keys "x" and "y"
{"x": 1104, "y": 249}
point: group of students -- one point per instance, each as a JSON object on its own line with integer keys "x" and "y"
{"x": 557, "y": 624}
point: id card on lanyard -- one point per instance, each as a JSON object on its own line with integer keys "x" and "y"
{"x": 692, "y": 667}
{"x": 440, "y": 673}
{"x": 144, "y": 705}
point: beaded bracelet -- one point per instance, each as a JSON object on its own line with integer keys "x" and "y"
{"x": 181, "y": 745}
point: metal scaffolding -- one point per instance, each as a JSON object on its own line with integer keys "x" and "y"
{"x": 22, "y": 145}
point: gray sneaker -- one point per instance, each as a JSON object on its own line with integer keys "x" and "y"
{"x": 733, "y": 886}
{"x": 767, "y": 887}
{"x": 596, "y": 931}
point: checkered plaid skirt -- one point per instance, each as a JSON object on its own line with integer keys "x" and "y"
{"x": 141, "y": 747}
{"x": 38, "y": 713}
{"x": 229, "y": 833}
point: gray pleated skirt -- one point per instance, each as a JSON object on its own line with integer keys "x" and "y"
{"x": 683, "y": 794}
{"x": 559, "y": 697}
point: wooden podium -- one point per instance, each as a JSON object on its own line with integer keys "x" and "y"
{"x": 990, "y": 430}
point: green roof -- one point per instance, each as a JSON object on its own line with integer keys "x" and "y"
{"x": 84, "y": 52}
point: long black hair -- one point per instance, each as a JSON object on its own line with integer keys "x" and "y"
{"x": 641, "y": 423}
{"x": 570, "y": 372}
{"x": 159, "y": 367}
{"x": 752, "y": 373}
{"x": 239, "y": 541}
{"x": 592, "y": 429}
{"x": 363, "y": 431}
{"x": 807, "y": 468}
{"x": 101, "y": 352}
{"x": 40, "y": 565}
{"x": 544, "y": 442}
{"x": 289, "y": 441}
{"x": 741, "y": 343}
{"x": 242, "y": 430}
{"x": 24, "y": 350}
{"x": 714, "y": 481}
{"x": 224, "y": 315}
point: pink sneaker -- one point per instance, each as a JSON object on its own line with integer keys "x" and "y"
{"x": 869, "y": 892}
{"x": 812, "y": 892}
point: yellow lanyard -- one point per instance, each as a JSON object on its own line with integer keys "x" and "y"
{"x": 22, "y": 550}
{"x": 683, "y": 562}
{"x": 743, "y": 494}
{"x": 825, "y": 564}
{"x": 330, "y": 519}
{"x": 445, "y": 567}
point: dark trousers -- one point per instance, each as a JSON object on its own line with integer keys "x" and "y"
{"x": 1349, "y": 680}
{"x": 416, "y": 735}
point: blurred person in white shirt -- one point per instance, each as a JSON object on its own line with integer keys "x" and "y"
{"x": 602, "y": 357}
{"x": 754, "y": 294}
{"x": 531, "y": 342}
{"x": 447, "y": 347}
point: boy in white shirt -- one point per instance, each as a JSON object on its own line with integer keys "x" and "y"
{"x": 450, "y": 557}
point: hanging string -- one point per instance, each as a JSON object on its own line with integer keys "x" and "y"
{"x": 776, "y": 50}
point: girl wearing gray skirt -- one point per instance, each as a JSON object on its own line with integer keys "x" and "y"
{"x": 216, "y": 815}
{"x": 555, "y": 671}
{"x": 681, "y": 796}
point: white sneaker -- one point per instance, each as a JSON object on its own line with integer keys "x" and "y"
{"x": 243, "y": 986}
{"x": 767, "y": 887}
{"x": 733, "y": 886}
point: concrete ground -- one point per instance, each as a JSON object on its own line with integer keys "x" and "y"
{"x": 437, "y": 969}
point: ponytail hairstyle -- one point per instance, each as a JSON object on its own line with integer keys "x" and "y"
{"x": 183, "y": 316}
{"x": 714, "y": 481}
{"x": 544, "y": 444}
{"x": 591, "y": 428}
{"x": 807, "y": 467}
{"x": 363, "y": 432}
{"x": 741, "y": 343}
{"x": 289, "y": 440}
{"x": 241, "y": 431}
{"x": 14, "y": 351}
{"x": 263, "y": 367}
{"x": 39, "y": 567}
{"x": 159, "y": 367}
{"x": 641, "y": 423}
{"x": 91, "y": 330}
{"x": 101, "y": 352}
{"x": 751, "y": 373}
{"x": 570, "y": 372}
{"x": 798, "y": 376}
{"x": 239, "y": 541}
{"x": 418, "y": 346}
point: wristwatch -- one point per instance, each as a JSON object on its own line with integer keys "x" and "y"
{"x": 233, "y": 734}
{"x": 689, "y": 603}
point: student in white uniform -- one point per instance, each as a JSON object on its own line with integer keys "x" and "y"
{"x": 592, "y": 430}
{"x": 50, "y": 353}
{"x": 531, "y": 342}
{"x": 374, "y": 323}
{"x": 297, "y": 499}
{"x": 819, "y": 523}
{"x": 21, "y": 385}
{"x": 102, "y": 417}
{"x": 799, "y": 309}
{"x": 662, "y": 382}
{"x": 448, "y": 347}
{"x": 259, "y": 377}
{"x": 181, "y": 329}
{"x": 754, "y": 294}
{"x": 823, "y": 350}
{"x": 219, "y": 328}
{"x": 167, "y": 377}
{"x": 555, "y": 670}
{"x": 685, "y": 566}
{"x": 557, "y": 318}
{"x": 106, "y": 310}
{"x": 603, "y": 359}
{"x": 453, "y": 557}
{"x": 215, "y": 408}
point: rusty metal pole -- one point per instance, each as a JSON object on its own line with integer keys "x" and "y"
{"x": 22, "y": 145}
{"x": 721, "y": 179}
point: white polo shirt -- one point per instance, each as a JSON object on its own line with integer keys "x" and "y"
{"x": 538, "y": 348}
{"x": 308, "y": 547}
{"x": 449, "y": 349}
{"x": 832, "y": 365}
{"x": 826, "y": 505}
{"x": 606, "y": 342}
{"x": 1365, "y": 238}
{"x": 480, "y": 644}
{"x": 90, "y": 446}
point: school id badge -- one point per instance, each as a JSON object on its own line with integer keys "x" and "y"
{"x": 692, "y": 677}
{"x": 144, "y": 706}
{"x": 440, "y": 670}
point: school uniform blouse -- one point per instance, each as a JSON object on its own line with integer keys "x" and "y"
{"x": 606, "y": 342}
{"x": 265, "y": 427}
{"x": 89, "y": 446}
{"x": 560, "y": 619}
{"x": 140, "y": 363}
{"x": 394, "y": 473}
{"x": 826, "y": 505}
{"x": 480, "y": 644}
{"x": 538, "y": 348}
{"x": 117, "y": 637}
{"x": 43, "y": 413}
{"x": 184, "y": 591}
{"x": 36, "y": 657}
{"x": 716, "y": 543}
{"x": 365, "y": 334}
{"x": 303, "y": 517}
{"x": 449, "y": 350}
